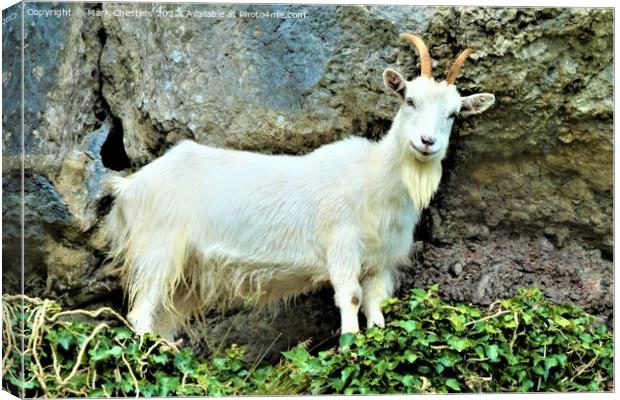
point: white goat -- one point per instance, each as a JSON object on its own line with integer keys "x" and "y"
{"x": 202, "y": 228}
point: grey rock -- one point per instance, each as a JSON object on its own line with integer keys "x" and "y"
{"x": 457, "y": 268}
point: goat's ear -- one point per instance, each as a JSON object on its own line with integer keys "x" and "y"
{"x": 476, "y": 103}
{"x": 395, "y": 81}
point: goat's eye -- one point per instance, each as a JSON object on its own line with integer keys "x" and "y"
{"x": 410, "y": 102}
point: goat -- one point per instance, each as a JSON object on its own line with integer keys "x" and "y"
{"x": 203, "y": 228}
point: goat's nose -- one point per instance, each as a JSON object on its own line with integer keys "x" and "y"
{"x": 428, "y": 140}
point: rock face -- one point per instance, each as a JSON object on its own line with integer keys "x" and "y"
{"x": 65, "y": 124}
{"x": 548, "y": 170}
{"x": 114, "y": 86}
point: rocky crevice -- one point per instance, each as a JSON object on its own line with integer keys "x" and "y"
{"x": 113, "y": 154}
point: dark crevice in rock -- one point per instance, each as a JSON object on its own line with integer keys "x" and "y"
{"x": 104, "y": 205}
{"x": 113, "y": 154}
{"x": 101, "y": 107}
{"x": 423, "y": 231}
{"x": 607, "y": 254}
{"x": 102, "y": 36}
{"x": 103, "y": 296}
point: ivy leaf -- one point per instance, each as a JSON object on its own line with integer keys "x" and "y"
{"x": 344, "y": 375}
{"x": 585, "y": 337}
{"x": 458, "y": 322}
{"x": 410, "y": 356}
{"x": 538, "y": 370}
{"x": 453, "y": 384}
{"x": 563, "y": 322}
{"x": 449, "y": 359}
{"x": 549, "y": 363}
{"x": 492, "y": 352}
{"x": 167, "y": 384}
{"x": 159, "y": 358}
{"x": 337, "y": 384}
{"x": 526, "y": 386}
{"x": 65, "y": 338}
{"x": 408, "y": 380}
{"x": 346, "y": 340}
{"x": 123, "y": 333}
{"x": 183, "y": 361}
{"x": 561, "y": 360}
{"x": 459, "y": 344}
{"x": 409, "y": 326}
{"x": 104, "y": 354}
{"x": 512, "y": 360}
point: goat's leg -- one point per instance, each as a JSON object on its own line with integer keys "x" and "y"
{"x": 376, "y": 287}
{"x": 348, "y": 296}
{"x": 145, "y": 308}
{"x": 344, "y": 268}
{"x": 168, "y": 322}
{"x": 165, "y": 324}
{"x": 152, "y": 273}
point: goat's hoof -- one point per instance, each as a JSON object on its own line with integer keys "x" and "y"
{"x": 378, "y": 324}
{"x": 377, "y": 321}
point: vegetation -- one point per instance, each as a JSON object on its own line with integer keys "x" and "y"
{"x": 518, "y": 344}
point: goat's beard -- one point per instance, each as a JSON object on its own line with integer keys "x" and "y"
{"x": 421, "y": 180}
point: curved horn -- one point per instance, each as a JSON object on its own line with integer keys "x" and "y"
{"x": 425, "y": 57}
{"x": 456, "y": 66}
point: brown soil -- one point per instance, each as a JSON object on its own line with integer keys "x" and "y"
{"x": 480, "y": 273}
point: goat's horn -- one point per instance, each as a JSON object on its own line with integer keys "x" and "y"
{"x": 425, "y": 57}
{"x": 456, "y": 66}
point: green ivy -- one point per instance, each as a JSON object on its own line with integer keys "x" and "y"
{"x": 522, "y": 344}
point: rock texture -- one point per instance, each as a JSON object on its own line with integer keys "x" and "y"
{"x": 527, "y": 191}
{"x": 65, "y": 123}
{"x": 481, "y": 272}
{"x": 11, "y": 139}
{"x": 549, "y": 170}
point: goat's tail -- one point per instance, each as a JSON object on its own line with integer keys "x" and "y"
{"x": 114, "y": 184}
{"x": 115, "y": 229}
{"x": 115, "y": 226}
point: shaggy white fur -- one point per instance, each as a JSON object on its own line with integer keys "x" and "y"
{"x": 202, "y": 228}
